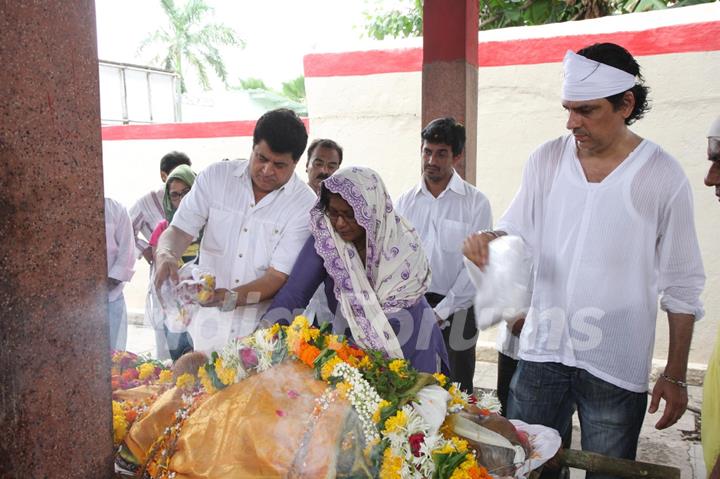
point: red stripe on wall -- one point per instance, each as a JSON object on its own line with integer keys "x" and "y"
{"x": 693, "y": 37}
{"x": 363, "y": 63}
{"x": 162, "y": 131}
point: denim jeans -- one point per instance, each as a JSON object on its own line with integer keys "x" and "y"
{"x": 610, "y": 417}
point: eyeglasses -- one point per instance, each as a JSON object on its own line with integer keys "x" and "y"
{"x": 334, "y": 216}
{"x": 177, "y": 195}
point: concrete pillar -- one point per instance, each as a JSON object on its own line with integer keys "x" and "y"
{"x": 450, "y": 69}
{"x": 55, "y": 414}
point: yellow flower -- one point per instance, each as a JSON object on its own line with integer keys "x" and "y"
{"x": 186, "y": 381}
{"x": 364, "y": 363}
{"x": 459, "y": 444}
{"x": 146, "y": 370}
{"x": 391, "y": 465}
{"x": 119, "y": 422}
{"x": 272, "y": 331}
{"x": 297, "y": 332}
{"x": 166, "y": 376}
{"x": 395, "y": 422}
{"x": 441, "y": 378}
{"x": 457, "y": 396}
{"x": 206, "y": 381}
{"x": 225, "y": 375}
{"x": 446, "y": 449}
{"x": 376, "y": 415}
{"x": 398, "y": 366}
{"x": 327, "y": 368}
{"x": 462, "y": 471}
{"x": 314, "y": 333}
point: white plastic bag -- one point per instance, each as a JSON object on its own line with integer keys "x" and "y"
{"x": 182, "y": 301}
{"x": 505, "y": 287}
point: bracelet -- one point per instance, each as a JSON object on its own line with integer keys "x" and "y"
{"x": 490, "y": 232}
{"x": 676, "y": 382}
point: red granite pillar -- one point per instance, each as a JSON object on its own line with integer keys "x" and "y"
{"x": 449, "y": 75}
{"x": 55, "y": 415}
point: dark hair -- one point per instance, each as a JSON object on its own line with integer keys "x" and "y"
{"x": 283, "y": 131}
{"x": 172, "y": 160}
{"x": 447, "y": 131}
{"x": 324, "y": 143}
{"x": 616, "y": 56}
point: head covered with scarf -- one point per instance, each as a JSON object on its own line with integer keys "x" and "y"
{"x": 396, "y": 273}
{"x": 182, "y": 173}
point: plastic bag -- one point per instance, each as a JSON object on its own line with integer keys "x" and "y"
{"x": 182, "y": 301}
{"x": 505, "y": 287}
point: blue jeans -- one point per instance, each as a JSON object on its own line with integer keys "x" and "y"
{"x": 610, "y": 416}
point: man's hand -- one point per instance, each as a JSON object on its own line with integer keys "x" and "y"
{"x": 442, "y": 323}
{"x": 217, "y": 298}
{"x": 148, "y": 254}
{"x": 166, "y": 267}
{"x": 676, "y": 400}
{"x": 475, "y": 248}
{"x": 517, "y": 326}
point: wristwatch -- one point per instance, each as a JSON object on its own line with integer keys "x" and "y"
{"x": 229, "y": 301}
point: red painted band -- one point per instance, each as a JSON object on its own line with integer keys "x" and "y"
{"x": 162, "y": 131}
{"x": 694, "y": 37}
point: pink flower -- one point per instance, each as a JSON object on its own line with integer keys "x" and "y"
{"x": 293, "y": 394}
{"x": 280, "y": 413}
{"x": 248, "y": 357}
{"x": 416, "y": 441}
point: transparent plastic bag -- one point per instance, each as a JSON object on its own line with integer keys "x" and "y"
{"x": 180, "y": 302}
{"x": 505, "y": 287}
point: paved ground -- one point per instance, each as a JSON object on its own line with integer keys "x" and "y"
{"x": 677, "y": 446}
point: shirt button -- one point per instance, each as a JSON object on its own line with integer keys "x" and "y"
{"x": 237, "y": 280}
{"x": 244, "y": 230}
{"x": 240, "y": 255}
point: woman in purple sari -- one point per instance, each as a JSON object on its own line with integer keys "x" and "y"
{"x": 374, "y": 269}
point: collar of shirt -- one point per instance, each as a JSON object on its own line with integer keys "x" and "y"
{"x": 456, "y": 185}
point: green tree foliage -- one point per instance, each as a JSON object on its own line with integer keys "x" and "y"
{"x": 405, "y": 20}
{"x": 291, "y": 96}
{"x": 188, "y": 38}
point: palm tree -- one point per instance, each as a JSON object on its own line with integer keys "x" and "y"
{"x": 188, "y": 38}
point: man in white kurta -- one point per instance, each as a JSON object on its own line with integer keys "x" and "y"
{"x": 120, "y": 261}
{"x": 255, "y": 215}
{"x": 444, "y": 209}
{"x": 609, "y": 216}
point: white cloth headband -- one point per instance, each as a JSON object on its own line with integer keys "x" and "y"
{"x": 589, "y": 80}
{"x": 715, "y": 128}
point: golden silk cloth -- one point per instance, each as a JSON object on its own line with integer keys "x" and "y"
{"x": 261, "y": 427}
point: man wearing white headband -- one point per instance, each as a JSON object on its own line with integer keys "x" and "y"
{"x": 711, "y": 389}
{"x": 609, "y": 218}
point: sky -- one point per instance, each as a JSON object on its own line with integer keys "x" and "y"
{"x": 278, "y": 33}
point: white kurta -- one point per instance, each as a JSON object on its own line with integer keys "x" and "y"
{"x": 603, "y": 252}
{"x": 145, "y": 215}
{"x": 120, "y": 246}
{"x": 241, "y": 240}
{"x": 443, "y": 223}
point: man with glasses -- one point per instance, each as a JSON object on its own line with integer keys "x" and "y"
{"x": 324, "y": 157}
{"x": 254, "y": 215}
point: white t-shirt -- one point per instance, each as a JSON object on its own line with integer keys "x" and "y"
{"x": 120, "y": 246}
{"x": 241, "y": 240}
{"x": 602, "y": 253}
{"x": 443, "y": 223}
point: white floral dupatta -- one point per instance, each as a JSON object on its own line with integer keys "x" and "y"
{"x": 397, "y": 273}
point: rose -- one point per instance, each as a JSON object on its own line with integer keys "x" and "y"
{"x": 416, "y": 441}
{"x": 248, "y": 357}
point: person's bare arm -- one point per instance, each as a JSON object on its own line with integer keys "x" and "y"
{"x": 261, "y": 289}
{"x": 715, "y": 473}
{"x": 675, "y": 396}
{"x": 171, "y": 245}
